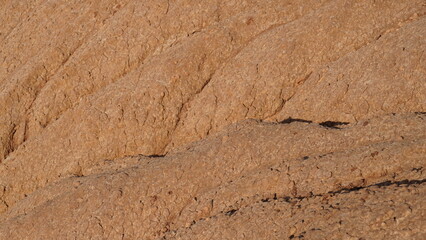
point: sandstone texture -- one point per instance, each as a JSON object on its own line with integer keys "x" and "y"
{"x": 185, "y": 119}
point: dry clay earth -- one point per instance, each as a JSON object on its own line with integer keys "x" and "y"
{"x": 187, "y": 119}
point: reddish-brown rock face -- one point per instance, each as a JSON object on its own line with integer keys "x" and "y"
{"x": 277, "y": 119}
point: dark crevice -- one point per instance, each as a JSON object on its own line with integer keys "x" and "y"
{"x": 291, "y": 120}
{"x": 142, "y": 155}
{"x": 333, "y": 124}
{"x": 381, "y": 184}
{"x": 327, "y": 124}
{"x": 231, "y": 212}
{"x": 155, "y": 156}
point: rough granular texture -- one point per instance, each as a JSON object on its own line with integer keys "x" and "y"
{"x": 186, "y": 119}
{"x": 388, "y": 211}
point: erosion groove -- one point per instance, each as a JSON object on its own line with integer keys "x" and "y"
{"x": 187, "y": 119}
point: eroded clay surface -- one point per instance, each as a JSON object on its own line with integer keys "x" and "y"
{"x": 277, "y": 119}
